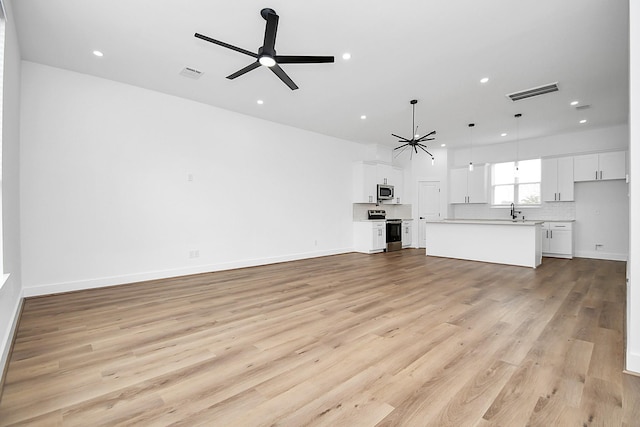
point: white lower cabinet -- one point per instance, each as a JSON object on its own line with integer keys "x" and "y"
{"x": 557, "y": 239}
{"x": 407, "y": 230}
{"x": 369, "y": 236}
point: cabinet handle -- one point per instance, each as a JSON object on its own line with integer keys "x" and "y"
{"x": 559, "y": 198}
{"x": 551, "y": 232}
{"x": 547, "y": 234}
{"x": 596, "y": 174}
{"x": 600, "y": 174}
{"x": 555, "y": 197}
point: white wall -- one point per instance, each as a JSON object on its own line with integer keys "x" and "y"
{"x": 10, "y": 294}
{"x": 419, "y": 168}
{"x": 633, "y": 290}
{"x": 602, "y": 218}
{"x": 588, "y": 141}
{"x": 106, "y": 196}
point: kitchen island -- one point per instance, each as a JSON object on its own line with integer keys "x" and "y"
{"x": 497, "y": 241}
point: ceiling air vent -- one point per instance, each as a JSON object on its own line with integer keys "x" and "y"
{"x": 540, "y": 90}
{"x": 192, "y": 73}
{"x": 583, "y": 107}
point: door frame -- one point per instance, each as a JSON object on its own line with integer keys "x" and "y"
{"x": 420, "y": 225}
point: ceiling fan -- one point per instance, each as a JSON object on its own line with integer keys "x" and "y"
{"x": 415, "y": 142}
{"x": 267, "y": 53}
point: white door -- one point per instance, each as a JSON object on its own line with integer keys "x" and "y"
{"x": 428, "y": 207}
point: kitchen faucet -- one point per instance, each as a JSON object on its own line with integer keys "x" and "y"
{"x": 514, "y": 212}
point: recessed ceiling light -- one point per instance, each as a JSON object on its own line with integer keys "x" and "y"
{"x": 98, "y": 53}
{"x": 503, "y": 134}
{"x": 363, "y": 117}
{"x": 583, "y": 121}
{"x": 574, "y": 103}
{"x": 484, "y": 79}
{"x": 260, "y": 101}
{"x": 346, "y": 56}
{"x": 443, "y": 145}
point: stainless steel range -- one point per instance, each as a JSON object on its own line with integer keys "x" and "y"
{"x": 393, "y": 229}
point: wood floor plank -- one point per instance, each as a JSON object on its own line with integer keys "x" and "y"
{"x": 388, "y": 339}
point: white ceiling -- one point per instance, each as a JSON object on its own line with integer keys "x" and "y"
{"x": 435, "y": 51}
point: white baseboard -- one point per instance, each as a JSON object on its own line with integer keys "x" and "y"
{"x": 633, "y": 363}
{"x": 601, "y": 255}
{"x": 7, "y": 339}
{"x": 56, "y": 288}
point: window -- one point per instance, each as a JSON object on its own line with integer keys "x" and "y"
{"x": 516, "y": 182}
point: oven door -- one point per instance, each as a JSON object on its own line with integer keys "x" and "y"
{"x": 394, "y": 235}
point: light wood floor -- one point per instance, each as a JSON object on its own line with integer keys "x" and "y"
{"x": 394, "y": 339}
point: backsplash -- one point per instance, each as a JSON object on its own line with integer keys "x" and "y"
{"x": 393, "y": 211}
{"x": 547, "y": 211}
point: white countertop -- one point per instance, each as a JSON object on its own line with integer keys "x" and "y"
{"x": 381, "y": 220}
{"x": 486, "y": 222}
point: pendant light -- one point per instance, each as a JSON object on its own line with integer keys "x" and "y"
{"x": 471, "y": 125}
{"x": 517, "y": 116}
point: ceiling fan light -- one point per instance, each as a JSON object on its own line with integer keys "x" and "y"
{"x": 267, "y": 61}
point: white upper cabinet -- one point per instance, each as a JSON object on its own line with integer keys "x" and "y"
{"x": 367, "y": 176}
{"x": 467, "y": 186}
{"x": 557, "y": 179}
{"x": 602, "y": 166}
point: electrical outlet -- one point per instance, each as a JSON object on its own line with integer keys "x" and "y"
{"x": 599, "y": 246}
{"x": 190, "y": 177}
{"x": 194, "y": 254}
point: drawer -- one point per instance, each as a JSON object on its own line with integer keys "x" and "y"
{"x": 560, "y": 226}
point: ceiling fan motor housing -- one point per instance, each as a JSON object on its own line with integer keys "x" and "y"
{"x": 267, "y": 52}
{"x": 266, "y": 11}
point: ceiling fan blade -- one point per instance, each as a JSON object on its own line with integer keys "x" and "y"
{"x": 293, "y": 59}
{"x": 284, "y": 77}
{"x": 401, "y": 137}
{"x": 245, "y": 70}
{"x": 400, "y": 146}
{"x": 270, "y": 30}
{"x": 227, "y": 45}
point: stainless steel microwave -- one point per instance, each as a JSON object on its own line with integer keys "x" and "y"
{"x": 385, "y": 192}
